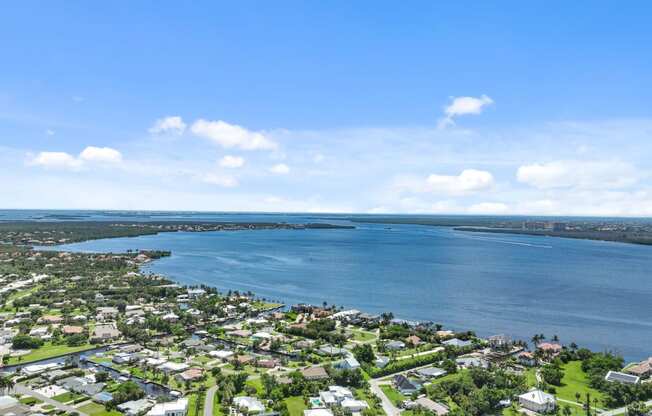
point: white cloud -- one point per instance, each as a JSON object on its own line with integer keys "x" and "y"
{"x": 56, "y": 160}
{"x": 488, "y": 208}
{"x": 100, "y": 154}
{"x": 468, "y": 181}
{"x": 78, "y": 98}
{"x": 224, "y": 181}
{"x": 168, "y": 125}
{"x": 318, "y": 158}
{"x": 232, "y": 136}
{"x": 462, "y": 106}
{"x": 578, "y": 174}
{"x": 49, "y": 132}
{"x": 232, "y": 162}
{"x": 280, "y": 169}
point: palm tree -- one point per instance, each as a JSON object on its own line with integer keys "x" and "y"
{"x": 6, "y": 383}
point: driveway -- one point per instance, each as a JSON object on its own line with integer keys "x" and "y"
{"x": 208, "y": 403}
{"x": 388, "y": 406}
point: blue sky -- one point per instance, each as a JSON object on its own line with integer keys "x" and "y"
{"x": 464, "y": 107}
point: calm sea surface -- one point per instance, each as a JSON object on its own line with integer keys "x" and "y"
{"x": 597, "y": 294}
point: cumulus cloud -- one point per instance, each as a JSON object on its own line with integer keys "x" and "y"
{"x": 100, "y": 154}
{"x": 578, "y": 174}
{"x": 231, "y": 135}
{"x": 469, "y": 181}
{"x": 460, "y": 106}
{"x": 56, "y": 160}
{"x": 280, "y": 169}
{"x": 232, "y": 162}
{"x": 49, "y": 132}
{"x": 168, "y": 125}
{"x": 224, "y": 181}
{"x": 66, "y": 161}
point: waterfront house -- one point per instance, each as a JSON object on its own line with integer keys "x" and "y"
{"x": 135, "y": 407}
{"x": 72, "y": 330}
{"x": 331, "y": 351}
{"x": 538, "y": 401}
{"x": 642, "y": 369}
{"x": 550, "y": 349}
{"x": 471, "y": 361}
{"x": 172, "y": 367}
{"x": 456, "y": 342}
{"x": 190, "y": 374}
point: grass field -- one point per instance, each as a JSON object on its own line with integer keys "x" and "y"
{"x": 295, "y": 405}
{"x": 66, "y": 397}
{"x": 95, "y": 409}
{"x": 48, "y": 351}
{"x": 392, "y": 394}
{"x": 576, "y": 381}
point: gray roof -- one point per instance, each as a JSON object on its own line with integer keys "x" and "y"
{"x": 621, "y": 377}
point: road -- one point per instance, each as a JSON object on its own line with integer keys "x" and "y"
{"x": 22, "y": 389}
{"x": 620, "y": 410}
{"x": 388, "y": 406}
{"x": 208, "y": 403}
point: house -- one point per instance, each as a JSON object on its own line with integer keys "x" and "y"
{"x": 526, "y": 358}
{"x": 105, "y": 332}
{"x": 172, "y": 367}
{"x": 50, "y": 319}
{"x": 190, "y": 374}
{"x": 353, "y": 405}
{"x": 102, "y": 397}
{"x": 242, "y": 359}
{"x": 395, "y": 345}
{"x": 170, "y": 317}
{"x": 124, "y": 358}
{"x": 335, "y": 395}
{"x": 314, "y": 373}
{"x": 405, "y": 385}
{"x": 431, "y": 405}
{"x": 72, "y": 330}
{"x": 11, "y": 406}
{"x": 317, "y": 412}
{"x": 251, "y": 404}
{"x": 431, "y": 372}
{"x": 537, "y": 401}
{"x": 381, "y": 361}
{"x": 330, "y": 351}
{"x": 266, "y": 363}
{"x": 176, "y": 408}
{"x": 40, "y": 332}
{"x": 456, "y": 342}
{"x": 413, "y": 340}
{"x": 623, "y": 378}
{"x": 106, "y": 313}
{"x": 498, "y": 342}
{"x": 135, "y": 407}
{"x": 643, "y": 369}
{"x": 221, "y": 354}
{"x": 472, "y": 361}
{"x": 240, "y": 333}
{"x": 349, "y": 363}
{"x": 549, "y": 348}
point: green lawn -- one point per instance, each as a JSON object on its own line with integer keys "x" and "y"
{"x": 95, "y": 409}
{"x": 66, "y": 397}
{"x": 363, "y": 336}
{"x": 392, "y": 394}
{"x": 257, "y": 384}
{"x": 295, "y": 405}
{"x": 48, "y": 351}
{"x": 576, "y": 381}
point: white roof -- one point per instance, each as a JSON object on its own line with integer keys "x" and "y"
{"x": 160, "y": 409}
{"x": 7, "y": 401}
{"x": 220, "y": 353}
{"x": 250, "y": 403}
{"x": 354, "y": 404}
{"x": 317, "y": 412}
{"x": 538, "y": 396}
